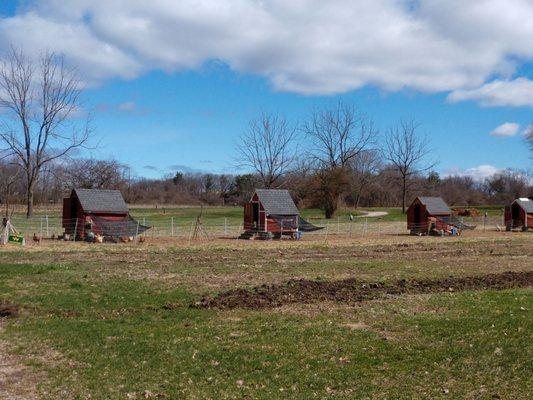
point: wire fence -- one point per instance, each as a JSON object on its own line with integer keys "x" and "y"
{"x": 77, "y": 229}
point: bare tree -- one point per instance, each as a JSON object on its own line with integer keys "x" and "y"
{"x": 338, "y": 135}
{"x": 268, "y": 148}
{"x": 90, "y": 173}
{"x": 363, "y": 169}
{"x": 407, "y": 153}
{"x": 507, "y": 185}
{"x": 40, "y": 99}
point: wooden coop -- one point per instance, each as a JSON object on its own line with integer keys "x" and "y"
{"x": 427, "y": 215}
{"x": 519, "y": 214}
{"x": 100, "y": 212}
{"x": 271, "y": 213}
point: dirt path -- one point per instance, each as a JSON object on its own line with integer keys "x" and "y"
{"x": 372, "y": 214}
{"x": 351, "y": 290}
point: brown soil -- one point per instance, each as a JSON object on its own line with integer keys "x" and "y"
{"x": 8, "y": 310}
{"x": 352, "y": 290}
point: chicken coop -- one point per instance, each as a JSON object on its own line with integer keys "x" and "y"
{"x": 100, "y": 212}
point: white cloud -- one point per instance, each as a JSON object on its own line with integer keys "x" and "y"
{"x": 128, "y": 106}
{"x": 478, "y": 173}
{"x": 505, "y": 130}
{"x": 516, "y": 93}
{"x": 94, "y": 58}
{"x": 303, "y": 46}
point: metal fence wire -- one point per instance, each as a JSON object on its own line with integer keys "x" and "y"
{"x": 55, "y": 227}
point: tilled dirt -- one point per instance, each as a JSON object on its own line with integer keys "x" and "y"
{"x": 352, "y": 290}
{"x": 8, "y": 310}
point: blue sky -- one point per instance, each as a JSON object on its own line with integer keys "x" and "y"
{"x": 184, "y": 106}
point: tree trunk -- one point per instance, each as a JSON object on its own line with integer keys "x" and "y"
{"x": 29, "y": 198}
{"x": 404, "y": 192}
{"x": 329, "y": 211}
{"x": 332, "y": 203}
{"x": 358, "y": 196}
{"x": 7, "y": 204}
{"x": 356, "y": 202}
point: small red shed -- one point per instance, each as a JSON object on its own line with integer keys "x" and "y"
{"x": 271, "y": 211}
{"x": 427, "y": 213}
{"x": 519, "y": 214}
{"x": 102, "y": 212}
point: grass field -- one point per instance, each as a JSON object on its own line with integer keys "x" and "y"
{"x": 179, "y": 220}
{"x": 115, "y": 322}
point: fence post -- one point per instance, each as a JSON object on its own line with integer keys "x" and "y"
{"x": 338, "y": 225}
{"x": 171, "y": 226}
{"x": 47, "y": 231}
{"x": 137, "y": 233}
{"x": 351, "y": 224}
{"x": 76, "y": 229}
{"x": 225, "y": 227}
{"x": 41, "y": 227}
{"x": 366, "y": 226}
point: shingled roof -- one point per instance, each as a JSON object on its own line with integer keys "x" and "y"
{"x": 435, "y": 205}
{"x": 526, "y": 204}
{"x": 277, "y": 202}
{"x": 101, "y": 201}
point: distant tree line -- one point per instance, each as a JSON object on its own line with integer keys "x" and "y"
{"x": 368, "y": 183}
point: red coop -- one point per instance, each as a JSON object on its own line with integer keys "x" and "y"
{"x": 427, "y": 214}
{"x": 271, "y": 212}
{"x": 519, "y": 214}
{"x": 98, "y": 212}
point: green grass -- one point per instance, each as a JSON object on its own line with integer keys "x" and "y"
{"x": 105, "y": 322}
{"x": 217, "y": 219}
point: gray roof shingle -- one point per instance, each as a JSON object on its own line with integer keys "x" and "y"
{"x": 526, "y": 204}
{"x": 277, "y": 202}
{"x": 435, "y": 205}
{"x": 102, "y": 201}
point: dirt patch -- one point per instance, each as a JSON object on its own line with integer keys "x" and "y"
{"x": 352, "y": 290}
{"x": 17, "y": 380}
{"x": 8, "y": 310}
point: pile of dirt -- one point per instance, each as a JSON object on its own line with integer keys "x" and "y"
{"x": 8, "y": 310}
{"x": 466, "y": 212}
{"x": 352, "y": 290}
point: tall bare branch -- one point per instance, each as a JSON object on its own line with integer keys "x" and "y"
{"x": 267, "y": 147}
{"x": 407, "y": 153}
{"x": 338, "y": 135}
{"x": 40, "y": 99}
